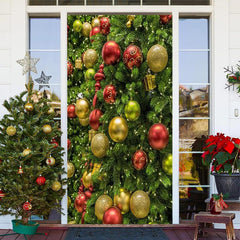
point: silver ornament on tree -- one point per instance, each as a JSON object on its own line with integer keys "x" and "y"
{"x": 43, "y": 81}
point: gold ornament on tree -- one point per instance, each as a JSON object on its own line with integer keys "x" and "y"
{"x": 11, "y": 131}
{"x": 100, "y": 145}
{"x": 91, "y": 134}
{"x": 103, "y": 203}
{"x": 82, "y": 108}
{"x": 84, "y": 121}
{"x": 130, "y": 19}
{"x": 87, "y": 27}
{"x": 50, "y": 110}
{"x": 69, "y": 202}
{"x": 96, "y": 22}
{"x": 50, "y": 161}
{"x": 29, "y": 107}
{"x": 140, "y": 204}
{"x": 26, "y": 152}
{"x": 149, "y": 82}
{"x": 87, "y": 179}
{"x": 56, "y": 186}
{"x": 122, "y": 200}
{"x": 157, "y": 58}
{"x": 47, "y": 128}
{"x": 78, "y": 63}
{"x": 20, "y": 170}
{"x": 70, "y": 170}
{"x": 118, "y": 129}
{"x": 90, "y": 58}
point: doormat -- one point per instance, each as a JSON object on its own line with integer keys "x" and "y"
{"x": 116, "y": 233}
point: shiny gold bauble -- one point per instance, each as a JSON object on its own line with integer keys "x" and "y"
{"x": 56, "y": 186}
{"x": 11, "y": 130}
{"x": 90, "y": 58}
{"x": 69, "y": 202}
{"x": 50, "y": 161}
{"x": 47, "y": 128}
{"x": 70, "y": 170}
{"x": 118, "y": 129}
{"x": 140, "y": 204}
{"x": 87, "y": 27}
{"x": 96, "y": 167}
{"x": 82, "y": 108}
{"x": 102, "y": 204}
{"x": 50, "y": 110}
{"x": 157, "y": 58}
{"x": 87, "y": 179}
{"x": 96, "y": 22}
{"x": 26, "y": 152}
{"x": 122, "y": 200}
{"x": 78, "y": 63}
{"x": 100, "y": 145}
{"x": 84, "y": 121}
{"x": 29, "y": 107}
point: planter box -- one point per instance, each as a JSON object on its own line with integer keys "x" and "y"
{"x": 29, "y": 229}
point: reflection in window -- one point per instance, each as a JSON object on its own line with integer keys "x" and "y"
{"x": 71, "y": 2}
{"x": 127, "y": 2}
{"x": 42, "y": 2}
{"x": 99, "y": 2}
{"x": 155, "y": 2}
{"x": 190, "y": 2}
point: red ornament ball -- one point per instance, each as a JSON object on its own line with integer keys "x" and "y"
{"x": 2, "y": 194}
{"x": 112, "y": 216}
{"x": 88, "y": 194}
{"x": 27, "y": 206}
{"x": 94, "y": 31}
{"x": 158, "y": 136}
{"x": 80, "y": 202}
{"x": 139, "y": 160}
{"x": 111, "y": 52}
{"x": 94, "y": 119}
{"x": 105, "y": 25}
{"x": 41, "y": 180}
{"x": 109, "y": 93}
{"x": 55, "y": 143}
{"x": 71, "y": 111}
{"x": 132, "y": 56}
{"x": 165, "y": 19}
{"x": 69, "y": 68}
{"x": 68, "y": 144}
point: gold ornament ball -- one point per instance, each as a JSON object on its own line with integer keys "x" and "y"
{"x": 50, "y": 161}
{"x": 96, "y": 167}
{"x": 96, "y": 22}
{"x": 87, "y": 27}
{"x": 118, "y": 129}
{"x": 70, "y": 170}
{"x": 140, "y": 204}
{"x": 11, "y": 131}
{"x": 69, "y": 202}
{"x": 82, "y": 108}
{"x": 167, "y": 164}
{"x": 56, "y": 186}
{"x": 100, "y": 145}
{"x": 103, "y": 203}
{"x": 122, "y": 200}
{"x": 47, "y": 128}
{"x": 26, "y": 152}
{"x": 90, "y": 58}
{"x": 157, "y": 58}
{"x": 29, "y": 107}
{"x": 84, "y": 121}
{"x": 87, "y": 179}
{"x": 50, "y": 110}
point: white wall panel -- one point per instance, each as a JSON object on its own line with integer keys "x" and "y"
{"x": 5, "y": 58}
{"x": 5, "y": 6}
{"x": 234, "y": 20}
{"x": 234, "y": 6}
{"x": 5, "y": 22}
{"x": 234, "y": 39}
{"x": 5, "y": 40}
{"x": 234, "y": 56}
{"x": 4, "y": 78}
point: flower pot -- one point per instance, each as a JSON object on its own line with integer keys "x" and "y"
{"x": 228, "y": 184}
{"x": 28, "y": 229}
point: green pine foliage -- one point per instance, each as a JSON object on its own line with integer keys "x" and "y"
{"x": 156, "y": 106}
{"x": 20, "y": 188}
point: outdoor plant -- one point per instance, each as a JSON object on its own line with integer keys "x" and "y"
{"x": 221, "y": 153}
{"x": 233, "y": 76}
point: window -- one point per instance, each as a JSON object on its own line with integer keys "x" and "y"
{"x": 193, "y": 114}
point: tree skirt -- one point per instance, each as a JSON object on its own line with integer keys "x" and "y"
{"x": 116, "y": 233}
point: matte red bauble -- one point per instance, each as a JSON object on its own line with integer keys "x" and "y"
{"x": 158, "y": 136}
{"x": 132, "y": 56}
{"x": 109, "y": 94}
{"x": 164, "y": 19}
{"x": 69, "y": 68}
{"x": 105, "y": 25}
{"x": 71, "y": 111}
{"x": 80, "y": 201}
{"x": 68, "y": 144}
{"x": 88, "y": 194}
{"x": 112, "y": 216}
{"x": 27, "y": 206}
{"x": 94, "y": 119}
{"x": 111, "y": 52}
{"x": 94, "y": 31}
{"x": 41, "y": 180}
{"x": 139, "y": 160}
{"x": 55, "y": 143}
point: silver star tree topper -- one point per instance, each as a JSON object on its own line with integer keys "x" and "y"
{"x": 43, "y": 81}
{"x": 28, "y": 63}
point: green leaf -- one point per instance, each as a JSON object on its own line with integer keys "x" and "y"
{"x": 221, "y": 157}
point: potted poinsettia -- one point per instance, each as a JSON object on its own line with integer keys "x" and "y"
{"x": 221, "y": 154}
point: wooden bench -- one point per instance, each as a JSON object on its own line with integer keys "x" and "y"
{"x": 205, "y": 220}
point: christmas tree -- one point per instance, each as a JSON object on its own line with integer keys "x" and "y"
{"x": 120, "y": 119}
{"x": 31, "y": 157}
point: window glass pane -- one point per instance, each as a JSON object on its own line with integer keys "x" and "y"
{"x": 193, "y": 101}
{"x": 193, "y": 33}
{"x": 189, "y": 129}
{"x": 127, "y": 2}
{"x": 71, "y": 2}
{"x": 190, "y": 2}
{"x": 193, "y": 67}
{"x": 155, "y": 2}
{"x": 191, "y": 169}
{"x": 192, "y": 201}
{"x": 99, "y": 2}
{"x": 44, "y": 33}
{"x": 42, "y": 2}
